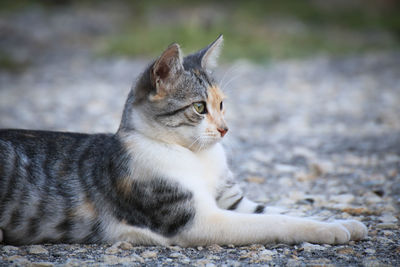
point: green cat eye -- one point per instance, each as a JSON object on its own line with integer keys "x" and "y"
{"x": 200, "y": 107}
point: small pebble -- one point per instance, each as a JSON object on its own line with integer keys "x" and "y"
{"x": 370, "y": 251}
{"x": 213, "y": 257}
{"x": 125, "y": 245}
{"x": 149, "y": 254}
{"x": 387, "y": 226}
{"x": 372, "y": 263}
{"x": 111, "y": 259}
{"x": 37, "y": 249}
{"x": 18, "y": 259}
{"x": 255, "y": 179}
{"x": 345, "y": 250}
{"x": 214, "y": 248}
{"x": 175, "y": 248}
{"x": 308, "y": 247}
{"x": 80, "y": 250}
{"x": 73, "y": 263}
{"x": 265, "y": 257}
{"x": 175, "y": 255}
{"x": 294, "y": 263}
{"x": 112, "y": 250}
{"x": 388, "y": 218}
{"x": 343, "y": 198}
{"x": 135, "y": 257}
{"x": 8, "y": 249}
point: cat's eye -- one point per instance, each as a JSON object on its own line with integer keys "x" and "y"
{"x": 221, "y": 105}
{"x": 200, "y": 107}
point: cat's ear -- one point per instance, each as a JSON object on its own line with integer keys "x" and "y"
{"x": 209, "y": 55}
{"x": 166, "y": 70}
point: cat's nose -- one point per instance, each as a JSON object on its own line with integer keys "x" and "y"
{"x": 222, "y": 130}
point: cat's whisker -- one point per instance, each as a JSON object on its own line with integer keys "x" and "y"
{"x": 200, "y": 141}
{"x": 198, "y": 148}
{"x": 202, "y": 144}
{"x": 204, "y": 140}
{"x": 224, "y": 87}
{"x": 194, "y": 142}
{"x": 230, "y": 71}
{"x": 233, "y": 76}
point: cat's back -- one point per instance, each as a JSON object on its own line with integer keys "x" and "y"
{"x": 28, "y": 154}
{"x": 33, "y": 143}
{"x": 35, "y": 140}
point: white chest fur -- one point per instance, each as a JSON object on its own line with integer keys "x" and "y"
{"x": 197, "y": 171}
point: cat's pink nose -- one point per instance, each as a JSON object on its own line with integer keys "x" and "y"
{"x": 222, "y": 131}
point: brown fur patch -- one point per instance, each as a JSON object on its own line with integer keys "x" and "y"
{"x": 215, "y": 97}
{"x": 86, "y": 209}
{"x": 124, "y": 186}
{"x": 158, "y": 96}
{"x": 197, "y": 72}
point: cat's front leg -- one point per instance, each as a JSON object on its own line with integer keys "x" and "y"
{"x": 230, "y": 197}
{"x": 226, "y": 227}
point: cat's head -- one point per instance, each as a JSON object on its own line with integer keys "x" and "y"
{"x": 177, "y": 101}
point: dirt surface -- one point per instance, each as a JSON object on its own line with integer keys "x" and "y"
{"x": 317, "y": 137}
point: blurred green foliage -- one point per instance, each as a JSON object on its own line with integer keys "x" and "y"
{"x": 260, "y": 30}
{"x": 255, "y": 29}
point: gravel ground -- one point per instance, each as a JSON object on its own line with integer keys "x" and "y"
{"x": 317, "y": 137}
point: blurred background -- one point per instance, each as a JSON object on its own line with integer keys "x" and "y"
{"x": 313, "y": 92}
{"x": 257, "y": 30}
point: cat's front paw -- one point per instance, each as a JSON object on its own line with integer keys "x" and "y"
{"x": 331, "y": 233}
{"x": 358, "y": 230}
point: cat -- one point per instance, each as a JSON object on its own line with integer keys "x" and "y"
{"x": 161, "y": 179}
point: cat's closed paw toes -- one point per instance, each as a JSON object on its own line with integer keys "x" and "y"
{"x": 332, "y": 233}
{"x": 358, "y": 230}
